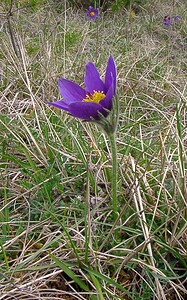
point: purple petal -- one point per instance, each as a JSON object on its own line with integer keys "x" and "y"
{"x": 107, "y": 101}
{"x": 92, "y": 13}
{"x": 167, "y": 21}
{"x": 59, "y": 104}
{"x": 111, "y": 74}
{"x": 71, "y": 91}
{"x": 86, "y": 110}
{"x": 176, "y": 19}
{"x": 92, "y": 79}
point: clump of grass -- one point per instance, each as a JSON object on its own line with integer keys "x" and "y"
{"x": 57, "y": 235}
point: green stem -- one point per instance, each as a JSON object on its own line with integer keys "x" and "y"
{"x": 87, "y": 217}
{"x": 112, "y": 138}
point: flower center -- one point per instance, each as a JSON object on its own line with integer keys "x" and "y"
{"x": 96, "y": 97}
{"x": 92, "y": 13}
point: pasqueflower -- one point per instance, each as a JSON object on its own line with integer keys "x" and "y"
{"x": 95, "y": 100}
{"x": 167, "y": 21}
{"x": 176, "y": 19}
{"x": 92, "y": 13}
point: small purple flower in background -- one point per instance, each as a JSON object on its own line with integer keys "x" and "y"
{"x": 96, "y": 99}
{"x": 167, "y": 21}
{"x": 176, "y": 19}
{"x": 92, "y": 13}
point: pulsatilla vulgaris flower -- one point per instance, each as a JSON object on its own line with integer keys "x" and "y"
{"x": 92, "y": 13}
{"x": 167, "y": 21}
{"x": 95, "y": 100}
{"x": 176, "y": 19}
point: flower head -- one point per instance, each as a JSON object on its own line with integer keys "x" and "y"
{"x": 176, "y": 19}
{"x": 92, "y": 13}
{"x": 167, "y": 21}
{"x": 95, "y": 100}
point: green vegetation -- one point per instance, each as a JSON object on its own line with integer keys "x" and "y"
{"x": 57, "y": 235}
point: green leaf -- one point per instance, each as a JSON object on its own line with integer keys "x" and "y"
{"x": 98, "y": 287}
{"x": 108, "y": 280}
{"x": 173, "y": 251}
{"x": 70, "y": 273}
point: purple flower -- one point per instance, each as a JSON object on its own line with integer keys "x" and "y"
{"x": 167, "y": 21}
{"x": 176, "y": 19}
{"x": 96, "y": 99}
{"x": 92, "y": 13}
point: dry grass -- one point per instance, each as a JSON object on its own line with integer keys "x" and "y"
{"x": 53, "y": 245}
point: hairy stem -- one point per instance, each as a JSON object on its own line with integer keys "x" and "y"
{"x": 112, "y": 138}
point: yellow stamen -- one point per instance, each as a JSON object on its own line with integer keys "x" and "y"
{"x": 92, "y": 13}
{"x": 96, "y": 97}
